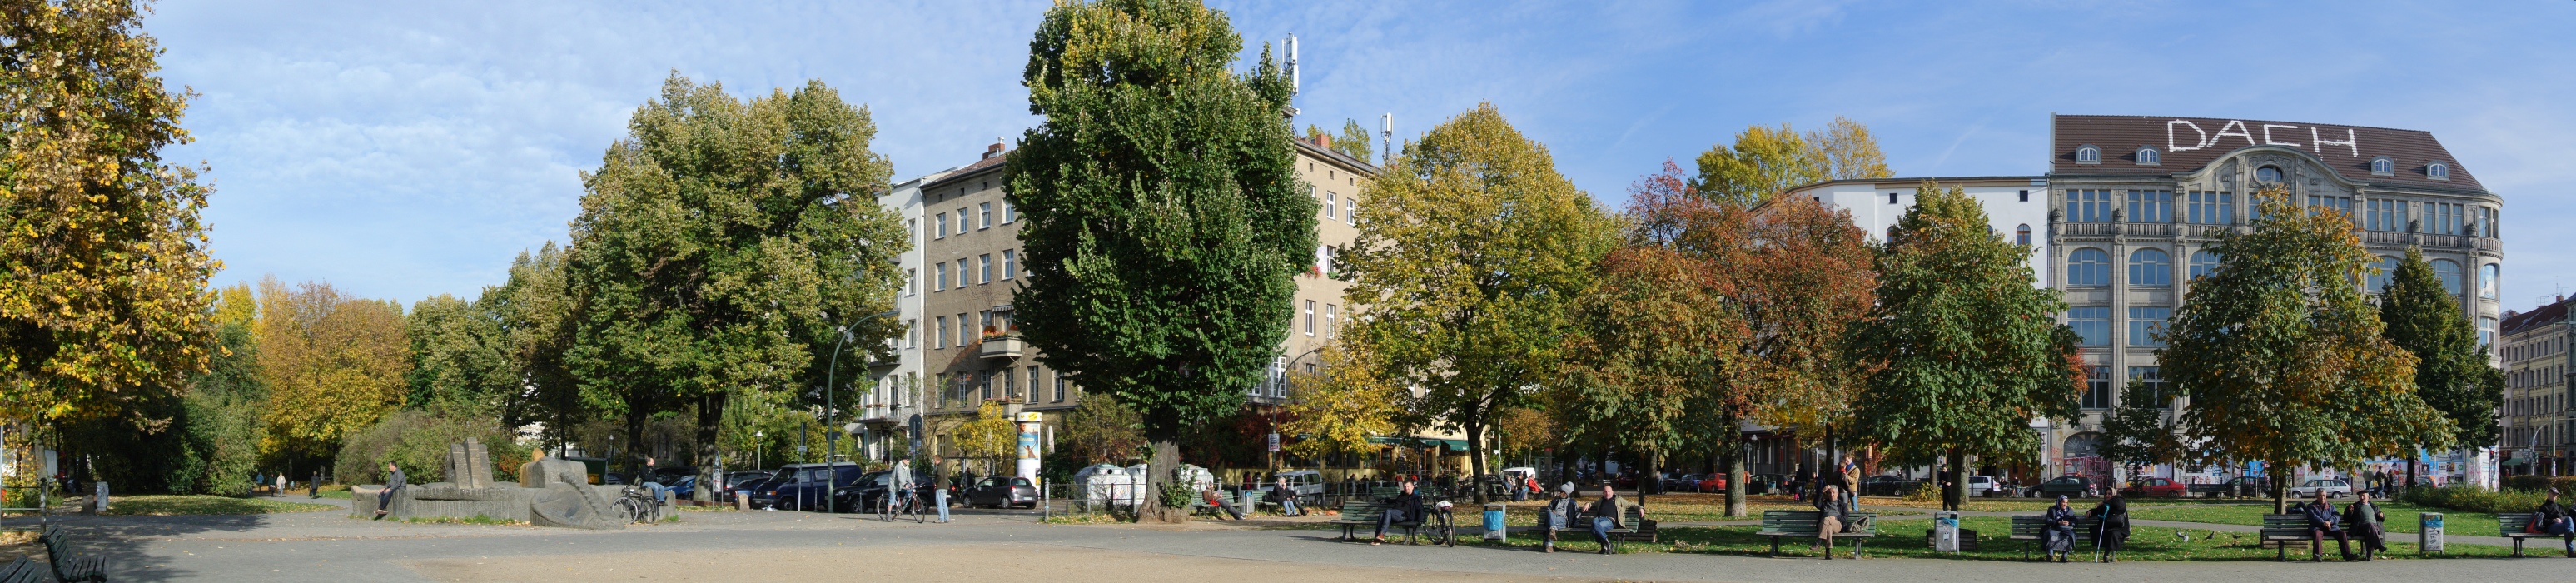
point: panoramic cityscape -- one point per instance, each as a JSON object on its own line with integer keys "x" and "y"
{"x": 1146, "y": 290}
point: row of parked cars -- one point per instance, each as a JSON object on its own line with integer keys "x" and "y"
{"x": 849, "y": 487}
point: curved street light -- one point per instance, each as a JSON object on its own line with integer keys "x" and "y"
{"x": 831, "y": 446}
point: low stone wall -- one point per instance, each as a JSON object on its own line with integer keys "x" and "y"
{"x": 500, "y": 503}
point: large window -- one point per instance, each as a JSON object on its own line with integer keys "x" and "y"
{"x": 2203, "y": 263}
{"x": 984, "y": 215}
{"x": 984, "y": 268}
{"x": 2088, "y": 266}
{"x": 2154, "y": 379}
{"x": 941, "y": 339}
{"x": 2021, "y": 235}
{"x": 1331, "y": 199}
{"x": 2486, "y": 331}
{"x": 2088, "y": 206}
{"x": 2150, "y": 206}
{"x": 2449, "y": 271}
{"x": 2267, "y": 174}
{"x": 943, "y": 225}
{"x": 2093, "y": 325}
{"x": 2488, "y": 226}
{"x": 942, "y": 283}
{"x": 2380, "y": 214}
{"x": 2487, "y": 280}
{"x": 1010, "y": 263}
{"x": 2444, "y": 218}
{"x": 2378, "y": 282}
{"x": 2209, "y": 208}
{"x": 2097, "y": 387}
{"x": 2145, "y": 324}
{"x": 2150, "y": 267}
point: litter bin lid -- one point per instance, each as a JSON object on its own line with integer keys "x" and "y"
{"x": 1493, "y": 507}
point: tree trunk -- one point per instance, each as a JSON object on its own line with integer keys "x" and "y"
{"x": 634, "y": 439}
{"x": 1736, "y": 487}
{"x": 2412, "y": 458}
{"x": 1158, "y": 471}
{"x": 710, "y": 416}
{"x": 1955, "y": 494}
{"x": 2280, "y": 487}
{"x": 1476, "y": 455}
{"x": 1648, "y": 479}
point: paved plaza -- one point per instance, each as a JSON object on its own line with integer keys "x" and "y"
{"x": 994, "y": 545}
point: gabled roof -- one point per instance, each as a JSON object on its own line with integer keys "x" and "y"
{"x": 2185, "y": 144}
{"x": 2537, "y": 317}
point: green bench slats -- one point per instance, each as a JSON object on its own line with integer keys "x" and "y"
{"x": 69, "y": 567}
{"x": 2280, "y": 530}
{"x": 1805, "y": 523}
{"x": 2026, "y": 527}
{"x": 2510, "y": 524}
{"x": 1356, "y": 514}
{"x": 21, "y": 571}
{"x": 1638, "y": 526}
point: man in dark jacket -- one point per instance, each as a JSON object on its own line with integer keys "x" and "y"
{"x": 1609, "y": 512}
{"x": 1406, "y": 506}
{"x": 394, "y": 481}
{"x": 1835, "y": 518}
{"x": 2363, "y": 519}
{"x": 2323, "y": 522}
{"x": 2555, "y": 518}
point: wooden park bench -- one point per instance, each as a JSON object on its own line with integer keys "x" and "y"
{"x": 1803, "y": 524}
{"x": 1356, "y": 513}
{"x": 22, "y": 571}
{"x": 2510, "y": 525}
{"x": 2280, "y": 530}
{"x": 68, "y": 567}
{"x": 1639, "y": 528}
{"x": 2027, "y": 527}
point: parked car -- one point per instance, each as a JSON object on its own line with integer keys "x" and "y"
{"x": 1681, "y": 482}
{"x": 1712, "y": 483}
{"x": 2154, "y": 487}
{"x": 807, "y": 486}
{"x": 2332, "y": 488}
{"x": 745, "y": 480}
{"x": 1980, "y": 485}
{"x": 1002, "y": 492}
{"x": 2069, "y": 486}
{"x": 1766, "y": 483}
{"x": 1307, "y": 484}
{"x": 1883, "y": 486}
{"x": 868, "y": 493}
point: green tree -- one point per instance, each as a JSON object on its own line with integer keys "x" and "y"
{"x": 2281, "y": 357}
{"x": 1165, "y": 219}
{"x": 333, "y": 365}
{"x": 1766, "y": 161}
{"x": 1972, "y": 353}
{"x": 224, "y": 407}
{"x": 2139, "y": 430}
{"x": 990, "y": 437}
{"x": 1650, "y": 340}
{"x": 1471, "y": 263}
{"x": 2451, "y": 370}
{"x": 1845, "y": 150}
{"x": 1352, "y": 141}
{"x": 103, "y": 260}
{"x": 1102, "y": 430}
{"x": 534, "y": 308}
{"x": 722, "y": 247}
{"x": 460, "y": 364}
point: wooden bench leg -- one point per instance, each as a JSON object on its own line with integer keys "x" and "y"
{"x": 1857, "y": 543}
{"x": 1775, "y": 547}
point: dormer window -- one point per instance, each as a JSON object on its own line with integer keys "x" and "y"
{"x": 2149, "y": 157}
{"x": 2382, "y": 166}
{"x": 2267, "y": 174}
{"x": 2088, "y": 154}
{"x": 2438, "y": 171}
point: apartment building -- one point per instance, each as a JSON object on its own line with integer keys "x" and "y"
{"x": 2538, "y": 436}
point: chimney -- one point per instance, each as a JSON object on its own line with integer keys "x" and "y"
{"x": 993, "y": 150}
{"x": 1324, "y": 141}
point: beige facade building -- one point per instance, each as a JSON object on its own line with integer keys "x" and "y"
{"x": 2538, "y": 438}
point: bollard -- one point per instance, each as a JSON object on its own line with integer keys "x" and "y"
{"x": 941, "y": 498}
{"x": 742, "y": 499}
{"x": 1494, "y": 529}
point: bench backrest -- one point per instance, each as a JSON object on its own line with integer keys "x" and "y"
{"x": 2285, "y": 521}
{"x": 2512, "y": 522}
{"x": 1806, "y": 521}
{"x": 1357, "y": 510}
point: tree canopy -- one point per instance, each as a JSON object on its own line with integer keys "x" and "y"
{"x": 2451, "y": 370}
{"x": 1766, "y": 161}
{"x": 333, "y": 365}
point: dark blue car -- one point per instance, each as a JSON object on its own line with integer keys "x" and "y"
{"x": 809, "y": 486}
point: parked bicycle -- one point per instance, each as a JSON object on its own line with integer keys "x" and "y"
{"x": 638, "y": 504}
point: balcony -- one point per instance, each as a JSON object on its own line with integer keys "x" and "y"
{"x": 1002, "y": 346}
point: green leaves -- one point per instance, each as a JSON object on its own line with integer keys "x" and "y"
{"x": 2451, "y": 371}
{"x": 1164, "y": 215}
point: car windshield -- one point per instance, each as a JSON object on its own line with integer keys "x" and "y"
{"x": 1019, "y": 481}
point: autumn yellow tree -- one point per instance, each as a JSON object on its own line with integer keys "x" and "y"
{"x": 1654, "y": 335}
{"x": 103, "y": 260}
{"x": 990, "y": 437}
{"x": 333, "y": 365}
{"x": 1337, "y": 408}
{"x": 1766, "y": 160}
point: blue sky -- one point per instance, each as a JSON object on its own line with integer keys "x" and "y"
{"x": 402, "y": 150}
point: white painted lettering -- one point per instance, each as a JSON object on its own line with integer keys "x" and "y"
{"x": 2199, "y": 136}
{"x": 2267, "y": 135}
{"x": 2233, "y": 128}
{"x": 2320, "y": 142}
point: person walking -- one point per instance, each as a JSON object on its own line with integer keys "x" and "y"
{"x": 2112, "y": 532}
{"x": 1832, "y": 521}
{"x": 2555, "y": 518}
{"x": 1608, "y": 513}
{"x": 2324, "y": 522}
{"x": 2057, "y": 531}
{"x": 1850, "y": 474}
{"x": 394, "y": 482}
{"x": 2364, "y": 520}
{"x": 1405, "y": 506}
{"x": 1557, "y": 514}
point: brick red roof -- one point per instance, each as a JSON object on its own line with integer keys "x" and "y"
{"x": 2189, "y": 143}
{"x": 2541, "y": 316}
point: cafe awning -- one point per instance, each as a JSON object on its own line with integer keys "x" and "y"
{"x": 1421, "y": 442}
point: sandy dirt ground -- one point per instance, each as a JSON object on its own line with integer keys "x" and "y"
{"x": 995, "y": 562}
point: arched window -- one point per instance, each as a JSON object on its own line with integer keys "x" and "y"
{"x": 2268, "y": 174}
{"x": 2383, "y": 165}
{"x": 2487, "y": 280}
{"x": 2088, "y": 266}
{"x": 2150, "y": 267}
{"x": 2203, "y": 263}
{"x": 2387, "y": 273}
{"x": 2438, "y": 171}
{"x": 2087, "y": 154}
{"x": 2149, "y": 156}
{"x": 2449, "y": 271}
{"x": 2021, "y": 235}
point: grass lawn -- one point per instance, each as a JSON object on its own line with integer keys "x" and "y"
{"x": 1904, "y": 538}
{"x": 2038, "y": 504}
{"x": 179, "y": 505}
{"x": 2402, "y": 517}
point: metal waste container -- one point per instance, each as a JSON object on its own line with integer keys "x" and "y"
{"x": 2430, "y": 528}
{"x": 1945, "y": 531}
{"x": 1494, "y": 522}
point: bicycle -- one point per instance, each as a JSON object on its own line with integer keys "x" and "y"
{"x": 638, "y": 505}
{"x": 898, "y": 505}
{"x": 1447, "y": 532}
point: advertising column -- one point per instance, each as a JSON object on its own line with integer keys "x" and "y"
{"x": 1029, "y": 423}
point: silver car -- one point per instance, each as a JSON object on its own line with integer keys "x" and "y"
{"x": 2332, "y": 488}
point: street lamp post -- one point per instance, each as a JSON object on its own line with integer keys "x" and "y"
{"x": 831, "y": 446}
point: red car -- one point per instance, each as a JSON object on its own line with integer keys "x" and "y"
{"x": 1713, "y": 483}
{"x": 2146, "y": 487}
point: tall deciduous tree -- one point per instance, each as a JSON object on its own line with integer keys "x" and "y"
{"x": 1765, "y": 161}
{"x": 1971, "y": 351}
{"x": 1337, "y": 409}
{"x": 333, "y": 365}
{"x": 460, "y": 363}
{"x": 2451, "y": 370}
{"x": 2281, "y": 356}
{"x": 1165, "y": 219}
{"x": 1470, "y": 258}
{"x": 1846, "y": 151}
{"x": 103, "y": 259}
{"x": 1102, "y": 430}
{"x": 1649, "y": 342}
{"x": 723, "y": 246}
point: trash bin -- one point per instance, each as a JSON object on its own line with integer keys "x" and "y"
{"x": 2429, "y": 538}
{"x": 1945, "y": 531}
{"x": 1494, "y": 522}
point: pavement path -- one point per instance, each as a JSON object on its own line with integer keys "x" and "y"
{"x": 704, "y": 546}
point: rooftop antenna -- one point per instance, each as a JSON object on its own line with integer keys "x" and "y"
{"x": 1292, "y": 74}
{"x": 1386, "y": 137}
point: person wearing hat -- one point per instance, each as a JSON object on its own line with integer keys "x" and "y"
{"x": 2364, "y": 520}
{"x": 1557, "y": 514}
{"x": 2553, "y": 518}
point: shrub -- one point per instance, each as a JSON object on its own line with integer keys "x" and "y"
{"x": 418, "y": 441}
{"x": 2474, "y": 499}
{"x": 2540, "y": 483}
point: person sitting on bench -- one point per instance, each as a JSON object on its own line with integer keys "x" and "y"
{"x": 1610, "y": 512}
{"x": 2554, "y": 518}
{"x": 1831, "y": 519}
{"x": 1406, "y": 506}
{"x": 2324, "y": 522}
{"x": 1557, "y": 514}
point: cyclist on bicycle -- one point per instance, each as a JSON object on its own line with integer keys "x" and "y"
{"x": 899, "y": 488}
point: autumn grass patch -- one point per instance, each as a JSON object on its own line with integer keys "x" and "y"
{"x": 177, "y": 505}
{"x": 1904, "y": 538}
